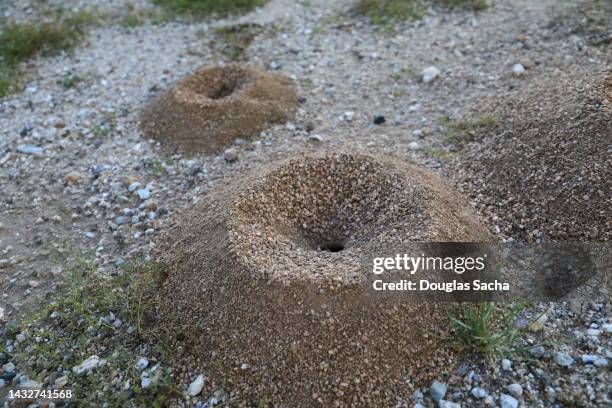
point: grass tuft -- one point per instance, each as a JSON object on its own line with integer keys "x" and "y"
{"x": 236, "y": 39}
{"x": 130, "y": 21}
{"x": 487, "y": 328}
{"x": 464, "y": 132}
{"x": 20, "y": 42}
{"x": 208, "y": 7}
{"x": 389, "y": 11}
{"x": 75, "y": 326}
{"x": 383, "y": 11}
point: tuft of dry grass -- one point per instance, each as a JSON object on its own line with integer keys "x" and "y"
{"x": 385, "y": 11}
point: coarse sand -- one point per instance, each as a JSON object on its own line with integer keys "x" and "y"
{"x": 543, "y": 169}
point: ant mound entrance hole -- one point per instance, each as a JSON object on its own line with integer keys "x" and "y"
{"x": 332, "y": 246}
{"x": 226, "y": 85}
{"x": 225, "y": 90}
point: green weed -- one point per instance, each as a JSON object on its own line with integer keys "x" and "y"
{"x": 435, "y": 153}
{"x": 208, "y": 7}
{"x": 389, "y": 11}
{"x": 20, "y": 42}
{"x": 70, "y": 80}
{"x": 487, "y": 328}
{"x": 464, "y": 132}
{"x": 237, "y": 38}
{"x": 130, "y": 21}
{"x": 74, "y": 326}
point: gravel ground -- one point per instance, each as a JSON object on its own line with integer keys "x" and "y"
{"x": 77, "y": 179}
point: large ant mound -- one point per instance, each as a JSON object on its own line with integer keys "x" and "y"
{"x": 543, "y": 169}
{"x": 207, "y": 110}
{"x": 264, "y": 281}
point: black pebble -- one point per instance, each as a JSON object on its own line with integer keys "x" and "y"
{"x": 9, "y": 376}
{"x": 379, "y": 120}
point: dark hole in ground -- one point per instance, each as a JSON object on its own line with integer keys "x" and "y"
{"x": 333, "y": 246}
{"x": 226, "y": 90}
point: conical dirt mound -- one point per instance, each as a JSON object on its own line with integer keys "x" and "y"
{"x": 543, "y": 170}
{"x": 265, "y": 283}
{"x": 205, "y": 111}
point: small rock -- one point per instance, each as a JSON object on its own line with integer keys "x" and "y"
{"x": 71, "y": 178}
{"x": 143, "y": 194}
{"x": 417, "y": 395}
{"x": 134, "y": 186}
{"x": 429, "y": 74}
{"x": 61, "y": 382}
{"x": 520, "y": 323}
{"x": 507, "y": 401}
{"x": 537, "y": 351}
{"x": 8, "y": 367}
{"x": 34, "y": 283}
{"x": 437, "y": 390}
{"x": 145, "y": 382}
{"x": 414, "y": 146}
{"x": 448, "y": 404}
{"x": 230, "y": 155}
{"x": 515, "y": 389}
{"x": 518, "y": 69}
{"x": 96, "y": 171}
{"x": 563, "y": 359}
{"x": 575, "y": 306}
{"x": 379, "y": 120}
{"x": 315, "y": 138}
{"x": 589, "y": 358}
{"x": 593, "y": 332}
{"x": 527, "y": 63}
{"x": 88, "y": 365}
{"x": 141, "y": 363}
{"x": 506, "y": 364}
{"x": 600, "y": 362}
{"x": 29, "y": 384}
{"x": 8, "y": 376}
{"x": 196, "y": 386}
{"x": 479, "y": 392}
{"x": 607, "y": 327}
{"x": 152, "y": 205}
{"x": 538, "y": 324}
{"x": 27, "y": 149}
{"x": 150, "y": 378}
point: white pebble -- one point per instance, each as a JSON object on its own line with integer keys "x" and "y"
{"x": 196, "y": 386}
{"x": 429, "y": 74}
